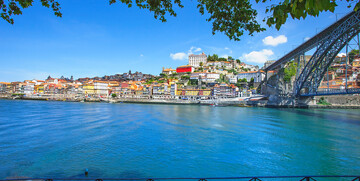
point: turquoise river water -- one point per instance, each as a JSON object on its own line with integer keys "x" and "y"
{"x": 61, "y": 139}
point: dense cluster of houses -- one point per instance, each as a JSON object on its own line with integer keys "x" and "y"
{"x": 213, "y": 78}
{"x": 101, "y": 88}
{"x": 342, "y": 75}
{"x": 200, "y": 78}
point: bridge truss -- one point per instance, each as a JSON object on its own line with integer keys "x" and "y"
{"x": 328, "y": 44}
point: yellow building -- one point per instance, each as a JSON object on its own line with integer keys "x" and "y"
{"x": 39, "y": 89}
{"x": 89, "y": 89}
{"x": 356, "y": 63}
{"x": 193, "y": 92}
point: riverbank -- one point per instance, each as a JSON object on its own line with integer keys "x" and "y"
{"x": 237, "y": 102}
{"x": 218, "y": 102}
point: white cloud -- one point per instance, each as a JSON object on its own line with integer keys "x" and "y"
{"x": 307, "y": 38}
{"x": 224, "y": 56}
{"x": 178, "y": 56}
{"x": 258, "y": 56}
{"x": 341, "y": 54}
{"x": 269, "y": 40}
{"x": 141, "y": 55}
{"x": 194, "y": 49}
{"x": 182, "y": 55}
{"x": 230, "y": 51}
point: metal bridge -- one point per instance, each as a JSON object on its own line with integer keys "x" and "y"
{"x": 258, "y": 178}
{"x": 328, "y": 44}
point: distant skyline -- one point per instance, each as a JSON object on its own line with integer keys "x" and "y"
{"x": 96, "y": 39}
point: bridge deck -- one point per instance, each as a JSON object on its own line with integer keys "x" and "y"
{"x": 332, "y": 92}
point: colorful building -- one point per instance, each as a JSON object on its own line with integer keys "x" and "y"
{"x": 168, "y": 71}
{"x": 185, "y": 69}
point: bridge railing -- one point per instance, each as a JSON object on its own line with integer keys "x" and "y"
{"x": 249, "y": 178}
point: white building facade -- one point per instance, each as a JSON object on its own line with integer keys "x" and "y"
{"x": 257, "y": 75}
{"x": 101, "y": 88}
{"x": 194, "y": 60}
{"x": 212, "y": 77}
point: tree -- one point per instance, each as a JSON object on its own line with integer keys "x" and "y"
{"x": 352, "y": 54}
{"x": 242, "y": 80}
{"x": 213, "y": 58}
{"x": 193, "y": 82}
{"x": 251, "y": 83}
{"x": 13, "y": 7}
{"x": 238, "y": 61}
{"x": 185, "y": 77}
{"x": 173, "y": 75}
{"x": 201, "y": 64}
{"x": 113, "y": 95}
{"x": 232, "y": 17}
{"x": 289, "y": 71}
{"x": 222, "y": 59}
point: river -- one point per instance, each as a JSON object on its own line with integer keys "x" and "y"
{"x": 62, "y": 139}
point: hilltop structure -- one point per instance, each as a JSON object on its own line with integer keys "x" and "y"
{"x": 195, "y": 60}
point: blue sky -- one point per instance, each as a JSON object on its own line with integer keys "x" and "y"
{"x": 95, "y": 39}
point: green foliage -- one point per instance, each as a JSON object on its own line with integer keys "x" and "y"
{"x": 174, "y": 75}
{"x": 232, "y": 71}
{"x": 222, "y": 78}
{"x": 297, "y": 10}
{"x": 222, "y": 59}
{"x": 150, "y": 81}
{"x": 238, "y": 61}
{"x": 245, "y": 69}
{"x": 193, "y": 82}
{"x": 289, "y": 71}
{"x": 251, "y": 83}
{"x": 158, "y": 7}
{"x": 322, "y": 101}
{"x": 352, "y": 55}
{"x": 213, "y": 58}
{"x": 185, "y": 77}
{"x": 201, "y": 63}
{"x": 113, "y": 95}
{"x": 203, "y": 87}
{"x": 163, "y": 75}
{"x": 242, "y": 80}
{"x": 231, "y": 17}
{"x": 252, "y": 80}
{"x": 14, "y": 7}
